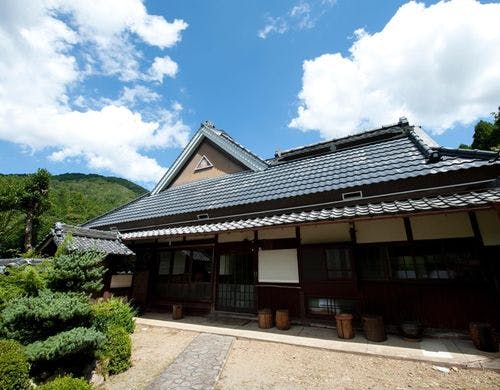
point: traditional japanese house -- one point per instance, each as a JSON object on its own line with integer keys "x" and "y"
{"x": 384, "y": 221}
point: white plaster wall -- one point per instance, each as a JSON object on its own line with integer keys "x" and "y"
{"x": 489, "y": 226}
{"x": 452, "y": 225}
{"x": 380, "y": 230}
{"x": 273, "y": 234}
{"x": 278, "y": 266}
{"x": 331, "y": 232}
{"x": 236, "y": 236}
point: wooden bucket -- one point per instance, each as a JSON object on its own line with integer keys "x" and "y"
{"x": 344, "y": 326}
{"x": 177, "y": 311}
{"x": 265, "y": 319}
{"x": 483, "y": 337}
{"x": 373, "y": 327}
{"x": 282, "y": 319}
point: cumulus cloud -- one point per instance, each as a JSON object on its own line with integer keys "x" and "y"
{"x": 437, "y": 65}
{"x": 48, "y": 50}
{"x": 162, "y": 66}
{"x": 302, "y": 16}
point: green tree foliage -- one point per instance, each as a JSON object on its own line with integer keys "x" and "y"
{"x": 66, "y": 383}
{"x": 14, "y": 366}
{"x": 113, "y": 312}
{"x": 74, "y": 198}
{"x": 116, "y": 350}
{"x": 33, "y": 201}
{"x": 21, "y": 281}
{"x": 486, "y": 134}
{"x": 28, "y": 319}
{"x": 78, "y": 272}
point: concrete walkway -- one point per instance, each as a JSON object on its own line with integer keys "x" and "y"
{"x": 198, "y": 366}
{"x": 449, "y": 352}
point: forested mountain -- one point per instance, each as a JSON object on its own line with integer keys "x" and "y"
{"x": 74, "y": 198}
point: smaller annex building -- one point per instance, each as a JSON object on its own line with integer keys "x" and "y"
{"x": 384, "y": 221}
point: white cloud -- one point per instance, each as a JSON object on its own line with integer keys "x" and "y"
{"x": 49, "y": 48}
{"x": 162, "y": 66}
{"x": 302, "y": 16}
{"x": 437, "y": 65}
{"x": 273, "y": 25}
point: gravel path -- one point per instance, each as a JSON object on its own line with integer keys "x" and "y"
{"x": 262, "y": 365}
{"x": 153, "y": 349}
{"x": 198, "y": 366}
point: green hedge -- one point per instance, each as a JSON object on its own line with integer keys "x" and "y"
{"x": 74, "y": 341}
{"x": 117, "y": 350}
{"x": 14, "y": 366}
{"x": 28, "y": 319}
{"x": 113, "y": 312}
{"x": 66, "y": 383}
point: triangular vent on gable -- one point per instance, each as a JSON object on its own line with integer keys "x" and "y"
{"x": 204, "y": 163}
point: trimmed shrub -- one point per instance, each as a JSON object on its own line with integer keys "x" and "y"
{"x": 116, "y": 351}
{"x": 74, "y": 341}
{"x": 14, "y": 366}
{"x": 19, "y": 281}
{"x": 77, "y": 272}
{"x": 28, "y": 319}
{"x": 113, "y": 312}
{"x": 66, "y": 383}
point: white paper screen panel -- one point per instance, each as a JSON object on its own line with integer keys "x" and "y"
{"x": 430, "y": 227}
{"x": 489, "y": 226}
{"x": 278, "y": 266}
{"x": 380, "y": 230}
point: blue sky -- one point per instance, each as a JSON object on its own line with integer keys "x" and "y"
{"x": 119, "y": 90}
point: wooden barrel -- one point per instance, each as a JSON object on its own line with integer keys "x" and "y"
{"x": 282, "y": 319}
{"x": 177, "y": 311}
{"x": 373, "y": 327}
{"x": 265, "y": 319}
{"x": 483, "y": 337}
{"x": 344, "y": 326}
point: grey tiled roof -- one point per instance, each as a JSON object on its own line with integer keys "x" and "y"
{"x": 84, "y": 239}
{"x": 404, "y": 156}
{"x": 449, "y": 202}
{"x": 17, "y": 261}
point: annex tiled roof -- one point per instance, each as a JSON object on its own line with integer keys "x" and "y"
{"x": 448, "y": 202}
{"x": 83, "y": 239}
{"x": 17, "y": 262}
{"x": 403, "y": 154}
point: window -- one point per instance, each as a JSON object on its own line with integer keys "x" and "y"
{"x": 326, "y": 264}
{"x": 330, "y": 306}
{"x": 443, "y": 260}
{"x": 372, "y": 262}
{"x": 338, "y": 264}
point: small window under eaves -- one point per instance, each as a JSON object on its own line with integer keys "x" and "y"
{"x": 204, "y": 163}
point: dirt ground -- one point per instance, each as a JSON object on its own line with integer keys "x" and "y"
{"x": 153, "y": 349}
{"x": 262, "y": 365}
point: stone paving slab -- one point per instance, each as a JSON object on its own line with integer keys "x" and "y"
{"x": 450, "y": 352}
{"x": 198, "y": 366}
